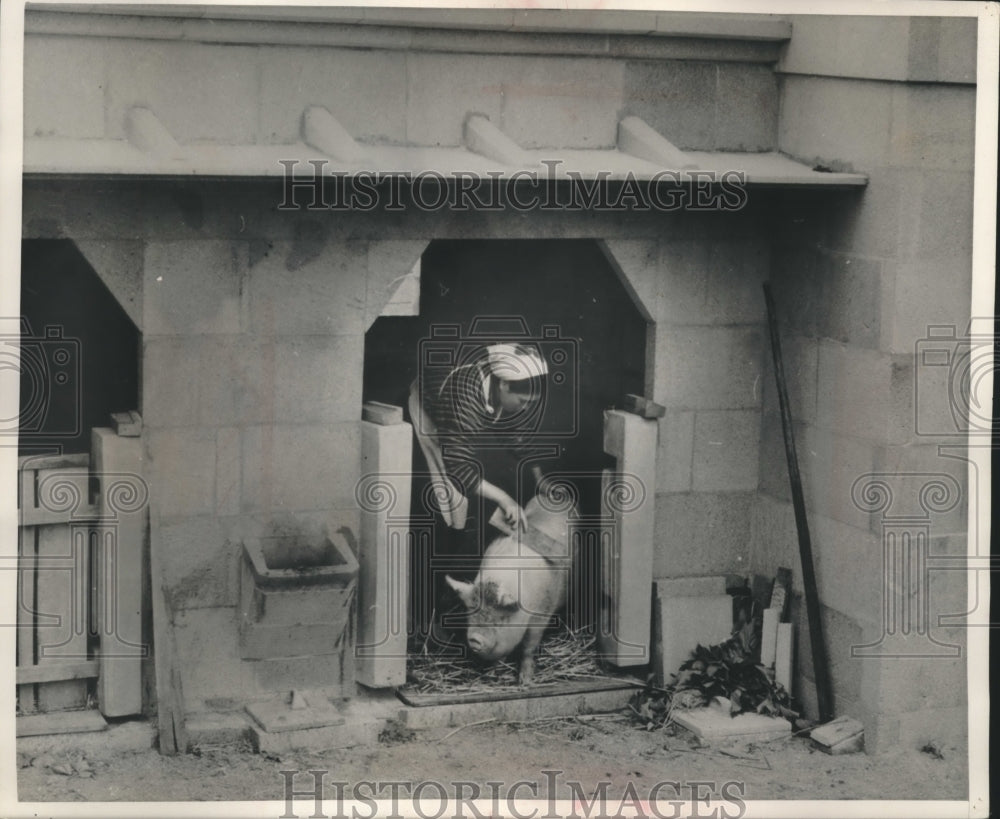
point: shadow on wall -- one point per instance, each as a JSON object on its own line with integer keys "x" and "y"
{"x": 80, "y": 360}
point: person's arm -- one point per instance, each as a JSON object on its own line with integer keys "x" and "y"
{"x": 512, "y": 511}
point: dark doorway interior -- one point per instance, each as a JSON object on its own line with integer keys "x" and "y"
{"x": 80, "y": 350}
{"x": 565, "y": 284}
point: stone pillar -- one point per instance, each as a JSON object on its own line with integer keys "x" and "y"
{"x": 383, "y": 494}
{"x": 116, "y": 464}
{"x": 629, "y": 514}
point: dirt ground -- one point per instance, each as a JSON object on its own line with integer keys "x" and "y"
{"x": 590, "y": 750}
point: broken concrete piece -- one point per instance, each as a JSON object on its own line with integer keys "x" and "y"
{"x": 295, "y": 715}
{"x": 842, "y": 735}
{"x": 714, "y": 723}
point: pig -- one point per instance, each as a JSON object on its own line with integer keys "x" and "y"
{"x": 522, "y": 582}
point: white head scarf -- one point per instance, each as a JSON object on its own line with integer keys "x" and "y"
{"x": 512, "y": 362}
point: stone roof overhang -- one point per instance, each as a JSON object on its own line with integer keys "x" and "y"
{"x": 641, "y": 154}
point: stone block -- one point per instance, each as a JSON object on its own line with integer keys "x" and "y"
{"x": 841, "y": 123}
{"x": 701, "y": 533}
{"x": 800, "y": 361}
{"x": 207, "y": 656}
{"x": 716, "y": 724}
{"x": 836, "y": 545}
{"x": 364, "y": 89}
{"x": 829, "y": 464}
{"x": 676, "y": 98}
{"x": 746, "y": 108}
{"x": 932, "y": 126}
{"x": 234, "y": 380}
{"x": 637, "y": 262}
{"x": 309, "y": 285}
{"x": 941, "y": 226}
{"x": 228, "y": 471}
{"x": 726, "y": 450}
{"x": 181, "y": 472}
{"x": 928, "y": 292}
{"x": 475, "y": 83}
{"x": 854, "y": 391}
{"x": 392, "y": 263}
{"x": 873, "y": 47}
{"x": 772, "y": 536}
{"x": 773, "y": 475}
{"x": 119, "y": 266}
{"x": 684, "y": 276}
{"x": 285, "y": 673}
{"x": 684, "y": 623}
{"x": 64, "y": 87}
{"x": 301, "y": 467}
{"x": 562, "y": 103}
{"x": 956, "y": 49}
{"x": 318, "y": 378}
{"x": 217, "y": 81}
{"x": 840, "y": 633}
{"x": 192, "y": 288}
{"x": 852, "y": 290}
{"x": 199, "y": 562}
{"x": 736, "y": 270}
{"x": 707, "y": 586}
{"x": 169, "y": 395}
{"x": 797, "y": 285}
{"x": 914, "y": 469}
{"x": 675, "y": 452}
{"x": 708, "y": 367}
{"x": 351, "y": 734}
{"x": 878, "y": 220}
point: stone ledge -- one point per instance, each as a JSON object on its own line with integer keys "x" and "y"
{"x": 743, "y": 38}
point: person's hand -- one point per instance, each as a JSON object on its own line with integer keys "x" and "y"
{"x": 513, "y": 514}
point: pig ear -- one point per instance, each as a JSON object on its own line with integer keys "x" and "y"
{"x": 467, "y": 592}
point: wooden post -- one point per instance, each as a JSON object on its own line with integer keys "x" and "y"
{"x": 383, "y": 584}
{"x": 629, "y": 516}
{"x": 123, "y": 510}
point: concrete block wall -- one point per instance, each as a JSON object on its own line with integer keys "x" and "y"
{"x": 857, "y": 282}
{"x": 702, "y": 290}
{"x": 253, "y": 356}
{"x": 81, "y": 87}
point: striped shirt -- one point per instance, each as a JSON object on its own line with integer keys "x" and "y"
{"x": 457, "y": 401}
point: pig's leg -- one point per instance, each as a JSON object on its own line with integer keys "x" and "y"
{"x": 529, "y": 648}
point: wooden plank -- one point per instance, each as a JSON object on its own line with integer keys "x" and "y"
{"x": 61, "y": 495}
{"x": 66, "y": 722}
{"x": 768, "y": 637}
{"x": 56, "y": 672}
{"x": 383, "y": 576}
{"x": 60, "y": 621}
{"x": 27, "y": 546}
{"x": 783, "y": 665}
{"x": 558, "y": 689}
{"x": 120, "y": 575}
{"x": 169, "y": 691}
{"x": 628, "y": 511}
{"x": 37, "y": 462}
